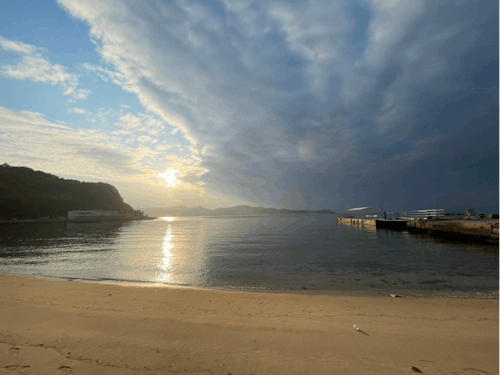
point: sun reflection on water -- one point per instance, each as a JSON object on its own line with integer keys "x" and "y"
{"x": 168, "y": 246}
{"x": 180, "y": 259}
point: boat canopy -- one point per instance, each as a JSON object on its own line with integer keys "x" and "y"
{"x": 371, "y": 208}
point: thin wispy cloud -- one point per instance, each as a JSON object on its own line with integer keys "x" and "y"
{"x": 142, "y": 123}
{"x": 35, "y": 67}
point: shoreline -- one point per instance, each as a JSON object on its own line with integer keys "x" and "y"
{"x": 375, "y": 293}
{"x": 54, "y": 326}
{"x": 72, "y": 221}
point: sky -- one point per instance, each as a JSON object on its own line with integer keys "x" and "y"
{"x": 310, "y": 104}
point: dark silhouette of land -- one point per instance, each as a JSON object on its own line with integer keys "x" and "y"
{"x": 29, "y": 194}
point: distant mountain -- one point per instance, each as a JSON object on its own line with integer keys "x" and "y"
{"x": 236, "y": 210}
{"x": 29, "y": 194}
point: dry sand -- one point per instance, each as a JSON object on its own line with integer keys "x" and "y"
{"x": 64, "y": 327}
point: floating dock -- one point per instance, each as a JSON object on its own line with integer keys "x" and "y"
{"x": 395, "y": 224}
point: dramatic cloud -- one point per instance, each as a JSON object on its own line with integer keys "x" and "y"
{"x": 311, "y": 104}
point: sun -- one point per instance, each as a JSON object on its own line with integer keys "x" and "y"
{"x": 169, "y": 176}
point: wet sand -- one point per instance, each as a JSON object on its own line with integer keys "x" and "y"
{"x": 65, "y": 327}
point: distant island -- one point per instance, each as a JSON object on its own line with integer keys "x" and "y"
{"x": 236, "y": 210}
{"x": 29, "y": 194}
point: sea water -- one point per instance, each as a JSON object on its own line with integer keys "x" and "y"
{"x": 298, "y": 253}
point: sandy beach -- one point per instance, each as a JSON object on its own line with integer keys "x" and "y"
{"x": 68, "y": 327}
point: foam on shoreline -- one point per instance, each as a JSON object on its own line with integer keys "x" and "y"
{"x": 279, "y": 290}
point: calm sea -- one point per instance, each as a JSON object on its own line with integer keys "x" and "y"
{"x": 307, "y": 253}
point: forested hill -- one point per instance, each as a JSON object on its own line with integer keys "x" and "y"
{"x": 29, "y": 194}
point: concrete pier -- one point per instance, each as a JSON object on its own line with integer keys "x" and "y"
{"x": 462, "y": 230}
{"x": 482, "y": 231}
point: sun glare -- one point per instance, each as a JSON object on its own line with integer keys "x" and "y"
{"x": 169, "y": 177}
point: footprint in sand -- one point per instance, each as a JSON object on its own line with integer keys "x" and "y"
{"x": 14, "y": 350}
{"x": 474, "y": 371}
{"x": 64, "y": 370}
{"x": 16, "y": 367}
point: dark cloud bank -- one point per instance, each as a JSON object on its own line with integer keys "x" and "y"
{"x": 311, "y": 105}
